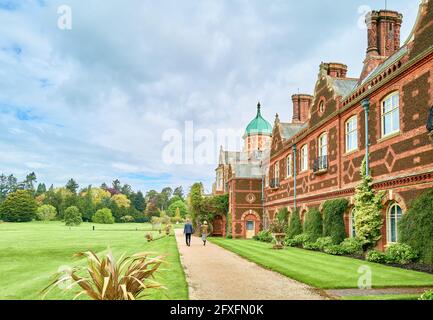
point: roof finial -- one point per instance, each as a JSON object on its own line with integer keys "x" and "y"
{"x": 259, "y": 106}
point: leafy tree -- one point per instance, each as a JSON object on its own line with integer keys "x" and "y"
{"x": 86, "y": 205}
{"x": 138, "y": 201}
{"x": 195, "y": 199}
{"x": 121, "y": 200}
{"x": 368, "y": 205}
{"x": 178, "y": 192}
{"x": 73, "y": 216}
{"x": 72, "y": 186}
{"x": 313, "y": 225}
{"x": 103, "y": 216}
{"x": 333, "y": 219}
{"x": 117, "y": 185}
{"x": 19, "y": 206}
{"x": 295, "y": 226}
{"x": 178, "y": 205}
{"x": 46, "y": 213}
{"x": 126, "y": 190}
{"x": 416, "y": 226}
{"x": 104, "y": 186}
{"x": 41, "y": 189}
{"x": 28, "y": 183}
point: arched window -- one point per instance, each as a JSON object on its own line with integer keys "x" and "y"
{"x": 352, "y": 229}
{"x": 352, "y": 134}
{"x": 289, "y": 166}
{"x": 304, "y": 158}
{"x": 323, "y": 145}
{"x": 393, "y": 217}
{"x": 390, "y": 110}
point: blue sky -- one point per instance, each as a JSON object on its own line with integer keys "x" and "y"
{"x": 93, "y": 102}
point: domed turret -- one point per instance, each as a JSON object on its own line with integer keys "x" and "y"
{"x": 258, "y": 133}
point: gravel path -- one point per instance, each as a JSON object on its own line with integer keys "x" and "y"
{"x": 217, "y": 274}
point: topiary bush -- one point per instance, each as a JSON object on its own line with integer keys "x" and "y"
{"x": 283, "y": 215}
{"x": 416, "y": 227}
{"x": 333, "y": 219}
{"x": 295, "y": 226}
{"x": 352, "y": 246}
{"x": 400, "y": 253}
{"x": 19, "y": 206}
{"x": 73, "y": 216}
{"x": 103, "y": 216}
{"x": 301, "y": 239}
{"x": 264, "y": 236}
{"x": 313, "y": 224}
{"x": 375, "y": 256}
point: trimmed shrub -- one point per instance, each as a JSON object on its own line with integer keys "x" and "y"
{"x": 19, "y": 206}
{"x": 427, "y": 295}
{"x": 416, "y": 227}
{"x": 264, "y": 236}
{"x": 352, "y": 246}
{"x": 127, "y": 219}
{"x": 73, "y": 216}
{"x": 313, "y": 224}
{"x": 335, "y": 249}
{"x": 103, "y": 216}
{"x": 333, "y": 219}
{"x": 311, "y": 246}
{"x": 46, "y": 212}
{"x": 295, "y": 226}
{"x": 323, "y": 242}
{"x": 400, "y": 253}
{"x": 301, "y": 239}
{"x": 375, "y": 256}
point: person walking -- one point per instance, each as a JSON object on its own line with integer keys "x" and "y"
{"x": 204, "y": 232}
{"x": 188, "y": 230}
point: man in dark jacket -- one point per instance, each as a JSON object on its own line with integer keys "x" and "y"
{"x": 188, "y": 231}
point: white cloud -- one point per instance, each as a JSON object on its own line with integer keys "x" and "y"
{"x": 95, "y": 100}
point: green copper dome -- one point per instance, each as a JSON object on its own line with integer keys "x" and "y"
{"x": 259, "y": 126}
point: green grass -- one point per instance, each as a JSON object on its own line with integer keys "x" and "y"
{"x": 30, "y": 253}
{"x": 321, "y": 270}
{"x": 384, "y": 297}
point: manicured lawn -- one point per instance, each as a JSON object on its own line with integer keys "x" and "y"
{"x": 322, "y": 270}
{"x": 30, "y": 253}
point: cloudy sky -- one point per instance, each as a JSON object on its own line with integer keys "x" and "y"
{"x": 95, "y": 102}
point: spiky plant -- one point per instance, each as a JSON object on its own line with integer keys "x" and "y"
{"x": 129, "y": 278}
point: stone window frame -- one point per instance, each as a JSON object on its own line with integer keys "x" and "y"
{"x": 390, "y": 97}
{"x": 321, "y": 146}
{"x": 303, "y": 166}
{"x": 289, "y": 162}
{"x": 354, "y": 131}
{"x": 389, "y": 213}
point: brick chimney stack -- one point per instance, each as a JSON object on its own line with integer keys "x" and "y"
{"x": 301, "y": 107}
{"x": 334, "y": 69}
{"x": 383, "y": 38}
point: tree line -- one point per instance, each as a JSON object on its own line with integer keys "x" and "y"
{"x": 126, "y": 205}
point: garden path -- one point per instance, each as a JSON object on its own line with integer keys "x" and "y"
{"x": 214, "y": 273}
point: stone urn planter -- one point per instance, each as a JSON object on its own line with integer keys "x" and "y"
{"x": 279, "y": 237}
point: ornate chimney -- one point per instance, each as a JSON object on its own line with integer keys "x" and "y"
{"x": 334, "y": 69}
{"x": 301, "y": 107}
{"x": 383, "y": 38}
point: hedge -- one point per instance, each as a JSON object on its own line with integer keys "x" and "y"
{"x": 313, "y": 225}
{"x": 295, "y": 226}
{"x": 333, "y": 219}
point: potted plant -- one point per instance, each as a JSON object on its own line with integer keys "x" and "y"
{"x": 278, "y": 229}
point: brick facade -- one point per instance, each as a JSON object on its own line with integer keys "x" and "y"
{"x": 401, "y": 163}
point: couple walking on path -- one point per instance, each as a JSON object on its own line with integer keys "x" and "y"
{"x": 189, "y": 230}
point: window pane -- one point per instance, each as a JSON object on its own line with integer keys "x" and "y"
{"x": 393, "y": 226}
{"x": 387, "y": 124}
{"x": 396, "y": 120}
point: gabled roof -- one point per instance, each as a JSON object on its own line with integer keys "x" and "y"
{"x": 343, "y": 87}
{"x": 289, "y": 130}
{"x": 248, "y": 171}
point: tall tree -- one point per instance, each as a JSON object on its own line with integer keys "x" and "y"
{"x": 139, "y": 202}
{"x": 41, "y": 189}
{"x": 72, "y": 186}
{"x": 126, "y": 190}
{"x": 117, "y": 185}
{"x": 368, "y": 204}
{"x": 179, "y": 192}
{"x": 29, "y": 182}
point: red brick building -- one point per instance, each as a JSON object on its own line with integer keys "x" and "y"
{"x": 318, "y": 156}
